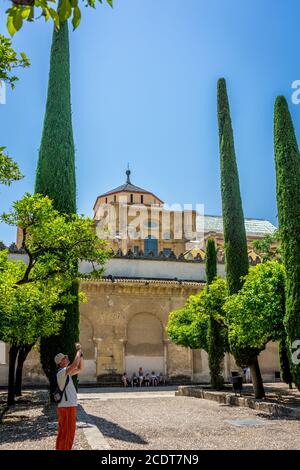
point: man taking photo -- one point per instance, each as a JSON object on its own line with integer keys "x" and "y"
{"x": 67, "y": 406}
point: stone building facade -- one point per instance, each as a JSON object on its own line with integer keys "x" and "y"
{"x": 123, "y": 327}
{"x": 123, "y": 323}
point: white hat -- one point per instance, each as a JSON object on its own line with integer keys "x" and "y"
{"x": 58, "y": 358}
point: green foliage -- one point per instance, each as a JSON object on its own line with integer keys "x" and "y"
{"x": 56, "y": 165}
{"x": 10, "y": 60}
{"x": 187, "y": 329}
{"x": 255, "y": 315}
{"x": 268, "y": 247}
{"x": 26, "y": 312}
{"x": 235, "y": 242}
{"x": 36, "y": 296}
{"x": 216, "y": 349}
{"x": 215, "y": 339}
{"x": 24, "y": 10}
{"x": 211, "y": 261}
{"x": 9, "y": 170}
{"x": 287, "y": 162}
{"x": 285, "y": 369}
{"x": 188, "y": 326}
{"x": 54, "y": 242}
{"x": 56, "y": 176}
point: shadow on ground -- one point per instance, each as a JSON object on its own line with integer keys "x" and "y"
{"x": 17, "y": 426}
{"x": 113, "y": 430}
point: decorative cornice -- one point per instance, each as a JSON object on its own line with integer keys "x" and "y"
{"x": 142, "y": 286}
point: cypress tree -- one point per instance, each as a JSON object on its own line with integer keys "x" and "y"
{"x": 211, "y": 261}
{"x": 285, "y": 370}
{"x": 235, "y": 241}
{"x": 287, "y": 163}
{"x": 55, "y": 178}
{"x": 214, "y": 337}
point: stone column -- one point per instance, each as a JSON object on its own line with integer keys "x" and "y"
{"x": 165, "y": 343}
{"x": 122, "y": 359}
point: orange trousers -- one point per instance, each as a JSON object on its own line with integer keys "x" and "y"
{"x": 66, "y": 427}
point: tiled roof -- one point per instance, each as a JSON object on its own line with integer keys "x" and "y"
{"x": 214, "y": 223}
{"x": 127, "y": 187}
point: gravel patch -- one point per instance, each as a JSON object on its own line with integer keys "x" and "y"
{"x": 175, "y": 423}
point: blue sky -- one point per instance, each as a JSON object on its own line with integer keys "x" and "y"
{"x": 144, "y": 79}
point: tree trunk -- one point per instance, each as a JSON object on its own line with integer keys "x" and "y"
{"x": 258, "y": 386}
{"x": 13, "y": 352}
{"x": 23, "y": 353}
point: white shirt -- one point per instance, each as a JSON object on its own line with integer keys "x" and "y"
{"x": 70, "y": 390}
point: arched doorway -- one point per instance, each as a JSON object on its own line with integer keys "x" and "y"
{"x": 150, "y": 245}
{"x": 144, "y": 346}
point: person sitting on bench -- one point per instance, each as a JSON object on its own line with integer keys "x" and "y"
{"x": 147, "y": 380}
{"x": 134, "y": 380}
{"x": 141, "y": 376}
{"x": 124, "y": 380}
{"x": 153, "y": 379}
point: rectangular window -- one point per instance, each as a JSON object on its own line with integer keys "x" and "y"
{"x": 142, "y": 199}
{"x": 131, "y": 198}
{"x": 2, "y": 353}
{"x": 115, "y": 198}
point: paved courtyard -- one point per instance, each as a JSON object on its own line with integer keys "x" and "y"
{"x": 159, "y": 420}
{"x": 148, "y": 419}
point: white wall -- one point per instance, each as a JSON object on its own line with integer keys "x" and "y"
{"x": 2, "y": 353}
{"x": 148, "y": 268}
{"x": 156, "y": 269}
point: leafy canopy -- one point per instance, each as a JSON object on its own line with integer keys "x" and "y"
{"x": 9, "y": 170}
{"x": 26, "y": 312}
{"x": 255, "y": 315}
{"x": 54, "y": 242}
{"x": 25, "y": 10}
{"x": 33, "y": 294}
{"x": 9, "y": 60}
{"x": 188, "y": 326}
{"x": 269, "y": 246}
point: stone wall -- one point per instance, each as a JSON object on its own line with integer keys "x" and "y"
{"x": 126, "y": 321}
{"x": 122, "y": 328}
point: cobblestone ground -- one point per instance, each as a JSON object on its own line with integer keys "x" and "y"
{"x": 159, "y": 420}
{"x": 144, "y": 419}
{"x": 26, "y": 426}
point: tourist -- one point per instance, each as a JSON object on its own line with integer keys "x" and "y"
{"x": 153, "y": 379}
{"x": 147, "y": 379}
{"x": 134, "y": 380}
{"x": 141, "y": 376}
{"x": 66, "y": 408}
{"x": 124, "y": 379}
{"x": 160, "y": 379}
